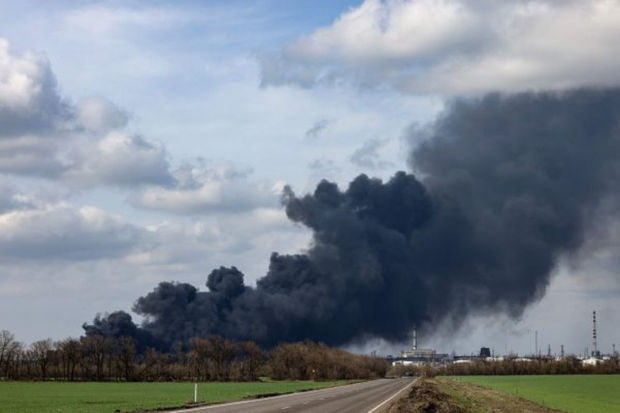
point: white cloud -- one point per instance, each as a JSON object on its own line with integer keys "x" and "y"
{"x": 84, "y": 144}
{"x": 204, "y": 189}
{"x": 59, "y": 231}
{"x": 98, "y": 114}
{"x": 28, "y": 96}
{"x": 94, "y": 147}
{"x": 245, "y": 239}
{"x": 455, "y": 46}
{"x": 36, "y": 228}
{"x": 120, "y": 159}
{"x": 396, "y": 30}
{"x": 31, "y": 114}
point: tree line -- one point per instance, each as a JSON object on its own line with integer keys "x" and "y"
{"x": 100, "y": 358}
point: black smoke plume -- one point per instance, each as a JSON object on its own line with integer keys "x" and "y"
{"x": 507, "y": 184}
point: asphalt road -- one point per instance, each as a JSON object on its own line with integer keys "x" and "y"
{"x": 364, "y": 397}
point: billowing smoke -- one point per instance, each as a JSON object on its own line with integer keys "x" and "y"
{"x": 506, "y": 185}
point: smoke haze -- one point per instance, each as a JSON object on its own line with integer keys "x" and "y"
{"x": 504, "y": 185}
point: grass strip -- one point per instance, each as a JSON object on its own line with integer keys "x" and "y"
{"x": 55, "y": 397}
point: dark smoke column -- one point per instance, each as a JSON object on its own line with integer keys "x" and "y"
{"x": 509, "y": 184}
{"x": 358, "y": 279}
{"x": 518, "y": 179}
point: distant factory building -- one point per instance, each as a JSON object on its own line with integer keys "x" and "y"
{"x": 418, "y": 356}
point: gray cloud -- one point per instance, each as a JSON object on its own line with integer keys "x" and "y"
{"x": 457, "y": 46}
{"x": 324, "y": 167}
{"x": 367, "y": 156}
{"x": 61, "y": 232}
{"x": 31, "y": 155}
{"x": 13, "y": 199}
{"x": 317, "y": 129}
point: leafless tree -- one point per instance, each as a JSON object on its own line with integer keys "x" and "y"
{"x": 41, "y": 353}
{"x": 96, "y": 349}
{"x": 9, "y": 349}
{"x": 127, "y": 354}
{"x": 251, "y": 356}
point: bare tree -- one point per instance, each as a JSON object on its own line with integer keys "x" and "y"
{"x": 97, "y": 357}
{"x": 199, "y": 358}
{"x": 69, "y": 352}
{"x": 96, "y": 348}
{"x": 127, "y": 354}
{"x": 251, "y": 356}
{"x": 41, "y": 353}
{"x": 9, "y": 349}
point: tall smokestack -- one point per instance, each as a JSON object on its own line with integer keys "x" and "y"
{"x": 415, "y": 339}
{"x": 594, "y": 348}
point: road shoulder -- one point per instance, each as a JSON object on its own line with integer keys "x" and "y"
{"x": 446, "y": 395}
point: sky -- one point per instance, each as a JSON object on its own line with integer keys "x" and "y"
{"x": 150, "y": 141}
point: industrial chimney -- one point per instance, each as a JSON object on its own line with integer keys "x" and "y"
{"x": 414, "y": 346}
{"x": 594, "y": 348}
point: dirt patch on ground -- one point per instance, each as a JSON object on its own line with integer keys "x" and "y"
{"x": 425, "y": 396}
{"x": 444, "y": 395}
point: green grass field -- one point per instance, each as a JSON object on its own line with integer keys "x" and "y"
{"x": 570, "y": 393}
{"x": 22, "y": 397}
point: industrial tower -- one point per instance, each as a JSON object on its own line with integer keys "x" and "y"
{"x": 595, "y": 352}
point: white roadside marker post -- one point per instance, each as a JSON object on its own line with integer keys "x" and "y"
{"x": 195, "y": 392}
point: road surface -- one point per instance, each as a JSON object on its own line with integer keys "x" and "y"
{"x": 366, "y": 397}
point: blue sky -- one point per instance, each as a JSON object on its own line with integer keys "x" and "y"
{"x": 175, "y": 125}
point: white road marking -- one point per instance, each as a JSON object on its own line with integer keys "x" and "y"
{"x": 282, "y": 396}
{"x": 374, "y": 409}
